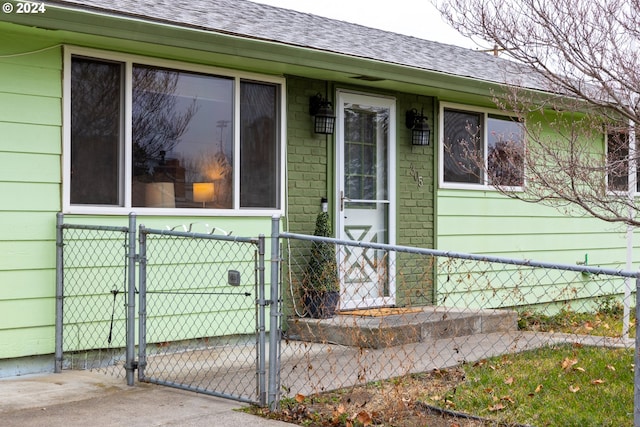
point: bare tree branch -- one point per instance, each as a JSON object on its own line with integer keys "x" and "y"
{"x": 586, "y": 55}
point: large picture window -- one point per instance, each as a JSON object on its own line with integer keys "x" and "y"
{"x": 480, "y": 149}
{"x": 148, "y": 136}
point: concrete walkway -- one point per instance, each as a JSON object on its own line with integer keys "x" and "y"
{"x": 81, "y": 398}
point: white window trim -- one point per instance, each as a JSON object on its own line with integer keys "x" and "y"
{"x": 632, "y": 180}
{"x": 485, "y": 185}
{"x": 128, "y": 60}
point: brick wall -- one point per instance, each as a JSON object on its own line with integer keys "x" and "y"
{"x": 311, "y": 170}
{"x": 415, "y": 204}
{"x": 307, "y": 157}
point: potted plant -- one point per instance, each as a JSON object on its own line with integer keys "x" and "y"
{"x": 321, "y": 284}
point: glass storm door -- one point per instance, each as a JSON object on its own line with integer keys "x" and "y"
{"x": 365, "y": 208}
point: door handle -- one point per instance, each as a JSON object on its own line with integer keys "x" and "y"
{"x": 342, "y": 199}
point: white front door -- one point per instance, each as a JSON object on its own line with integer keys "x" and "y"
{"x": 365, "y": 198}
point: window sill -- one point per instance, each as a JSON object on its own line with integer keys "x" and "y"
{"x": 477, "y": 187}
{"x": 171, "y": 212}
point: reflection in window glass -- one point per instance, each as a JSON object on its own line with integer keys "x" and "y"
{"x": 259, "y": 148}
{"x": 182, "y": 141}
{"x": 96, "y": 132}
{"x": 185, "y": 136}
{"x": 469, "y": 158}
{"x": 619, "y": 161}
{"x": 505, "y": 151}
{"x": 366, "y": 133}
{"x": 463, "y": 152}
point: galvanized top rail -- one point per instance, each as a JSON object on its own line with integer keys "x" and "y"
{"x": 95, "y": 227}
{"x": 190, "y": 234}
{"x": 473, "y": 257}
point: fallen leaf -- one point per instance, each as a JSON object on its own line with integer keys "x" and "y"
{"x": 299, "y": 398}
{"x": 568, "y": 363}
{"x": 436, "y": 398}
{"x": 509, "y": 381}
{"x": 508, "y": 399}
{"x": 496, "y": 407}
{"x": 488, "y": 390}
{"x": 573, "y": 389}
{"x": 598, "y": 381}
{"x": 611, "y": 367}
{"x": 364, "y": 418}
{"x": 579, "y": 368}
{"x": 539, "y": 388}
{"x": 341, "y": 409}
{"x": 588, "y": 326}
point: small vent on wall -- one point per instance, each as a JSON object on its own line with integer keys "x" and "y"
{"x": 368, "y": 78}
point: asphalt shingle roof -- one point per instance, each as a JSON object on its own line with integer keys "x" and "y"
{"x": 247, "y": 19}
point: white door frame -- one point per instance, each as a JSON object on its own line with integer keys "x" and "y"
{"x": 343, "y": 97}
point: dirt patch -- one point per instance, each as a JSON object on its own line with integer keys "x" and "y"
{"x": 399, "y": 402}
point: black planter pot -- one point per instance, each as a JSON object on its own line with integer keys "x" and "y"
{"x": 321, "y": 304}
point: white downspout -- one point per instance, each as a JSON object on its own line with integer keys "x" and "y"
{"x": 629, "y": 283}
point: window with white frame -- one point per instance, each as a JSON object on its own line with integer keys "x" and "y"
{"x": 149, "y": 136}
{"x": 481, "y": 148}
{"x": 622, "y": 160}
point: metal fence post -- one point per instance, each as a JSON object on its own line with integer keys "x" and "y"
{"x": 274, "y": 328}
{"x": 131, "y": 303}
{"x": 59, "y": 292}
{"x": 142, "y": 305}
{"x": 262, "y": 389}
{"x": 636, "y": 361}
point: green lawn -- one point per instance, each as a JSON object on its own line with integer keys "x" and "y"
{"x": 560, "y": 386}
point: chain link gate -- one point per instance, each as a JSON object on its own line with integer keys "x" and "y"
{"x": 202, "y": 313}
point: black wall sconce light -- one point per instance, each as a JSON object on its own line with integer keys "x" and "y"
{"x": 420, "y": 131}
{"x": 324, "y": 117}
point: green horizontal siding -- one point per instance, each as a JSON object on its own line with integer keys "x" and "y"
{"x": 30, "y": 149}
{"x": 30, "y": 167}
{"x": 548, "y": 224}
{"x": 30, "y": 109}
{"x": 24, "y": 255}
{"x": 41, "y": 312}
{"x": 27, "y": 341}
{"x": 27, "y": 225}
{"x": 27, "y": 284}
{"x": 30, "y": 138}
{"x": 42, "y": 197}
{"x": 488, "y": 223}
{"x": 31, "y": 80}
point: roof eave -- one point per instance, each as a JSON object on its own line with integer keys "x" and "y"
{"x": 271, "y": 56}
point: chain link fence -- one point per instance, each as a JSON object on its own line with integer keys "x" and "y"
{"x": 92, "y": 297}
{"x": 403, "y": 311}
{"x": 202, "y": 324}
{"x": 353, "y": 313}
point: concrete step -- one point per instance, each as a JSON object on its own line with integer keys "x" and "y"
{"x": 388, "y": 330}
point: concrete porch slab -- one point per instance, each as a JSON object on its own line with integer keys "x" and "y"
{"x": 427, "y": 324}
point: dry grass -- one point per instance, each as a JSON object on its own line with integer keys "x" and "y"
{"x": 395, "y": 402}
